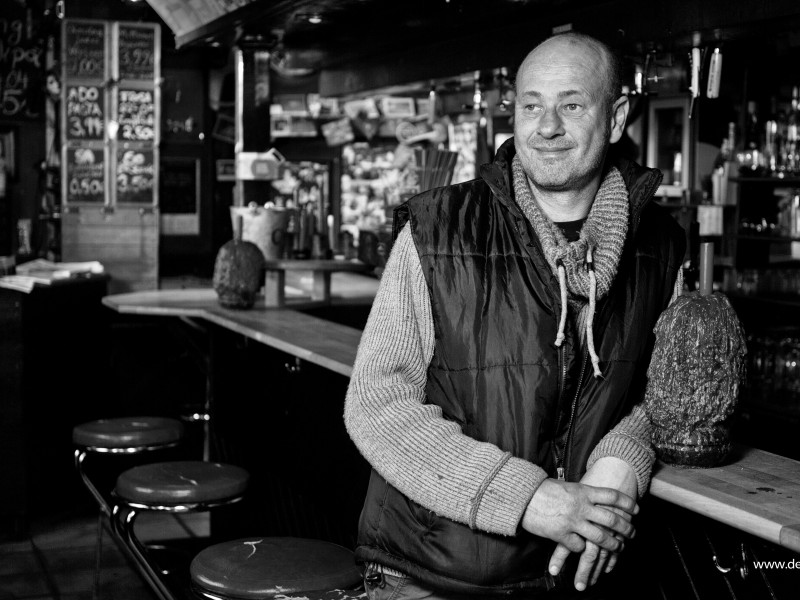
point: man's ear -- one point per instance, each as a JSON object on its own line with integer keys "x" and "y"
{"x": 619, "y": 115}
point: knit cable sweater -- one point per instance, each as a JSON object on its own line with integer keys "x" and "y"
{"x": 408, "y": 441}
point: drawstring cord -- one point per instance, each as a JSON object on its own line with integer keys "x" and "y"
{"x": 590, "y": 313}
{"x": 562, "y": 285}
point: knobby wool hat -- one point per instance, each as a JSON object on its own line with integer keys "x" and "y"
{"x": 586, "y": 267}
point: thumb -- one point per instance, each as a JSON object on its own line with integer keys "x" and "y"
{"x": 558, "y": 559}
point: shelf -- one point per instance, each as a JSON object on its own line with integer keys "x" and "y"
{"x": 782, "y": 299}
{"x": 690, "y": 204}
{"x": 776, "y": 180}
{"x": 768, "y": 238}
{"x": 275, "y": 279}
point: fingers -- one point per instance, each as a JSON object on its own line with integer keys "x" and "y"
{"x": 594, "y": 562}
{"x": 621, "y": 513}
{"x": 612, "y": 562}
{"x": 586, "y": 566}
{"x": 612, "y": 498}
{"x": 600, "y": 537}
{"x": 611, "y": 521}
{"x": 558, "y": 559}
{"x": 600, "y": 566}
{"x": 573, "y": 542}
{"x": 604, "y": 529}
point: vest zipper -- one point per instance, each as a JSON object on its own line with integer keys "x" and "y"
{"x": 562, "y": 387}
{"x": 561, "y": 458}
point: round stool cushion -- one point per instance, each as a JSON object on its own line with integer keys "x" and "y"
{"x": 128, "y": 432}
{"x": 261, "y": 567}
{"x": 181, "y": 482}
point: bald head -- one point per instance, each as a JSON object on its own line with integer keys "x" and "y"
{"x": 597, "y": 54}
{"x": 567, "y": 112}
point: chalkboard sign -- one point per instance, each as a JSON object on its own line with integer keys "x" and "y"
{"x": 85, "y": 175}
{"x": 21, "y": 66}
{"x": 85, "y": 112}
{"x": 84, "y": 50}
{"x": 136, "y": 115}
{"x": 135, "y": 175}
{"x": 178, "y": 185}
{"x": 136, "y": 52}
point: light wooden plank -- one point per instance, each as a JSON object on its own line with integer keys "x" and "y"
{"x": 757, "y": 492}
{"x": 316, "y": 340}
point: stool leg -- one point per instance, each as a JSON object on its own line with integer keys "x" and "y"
{"x": 122, "y": 520}
{"x": 98, "y": 551}
{"x": 80, "y": 456}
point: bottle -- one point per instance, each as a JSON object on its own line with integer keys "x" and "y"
{"x": 751, "y": 159}
{"x": 794, "y": 214}
{"x": 772, "y": 137}
{"x": 792, "y": 145}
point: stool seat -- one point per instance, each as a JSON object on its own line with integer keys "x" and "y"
{"x": 262, "y": 567}
{"x": 181, "y": 482}
{"x": 128, "y": 432}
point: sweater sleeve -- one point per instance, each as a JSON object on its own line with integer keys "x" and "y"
{"x": 406, "y": 440}
{"x": 630, "y": 440}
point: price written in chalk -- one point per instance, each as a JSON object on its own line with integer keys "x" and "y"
{"x": 136, "y": 52}
{"x": 135, "y": 172}
{"x": 137, "y": 119}
{"x": 84, "y": 107}
{"x": 85, "y": 49}
{"x": 86, "y": 175}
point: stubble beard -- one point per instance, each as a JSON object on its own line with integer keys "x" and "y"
{"x": 564, "y": 171}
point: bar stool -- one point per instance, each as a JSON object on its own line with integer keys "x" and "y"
{"x": 259, "y": 568}
{"x": 173, "y": 487}
{"x": 127, "y": 436}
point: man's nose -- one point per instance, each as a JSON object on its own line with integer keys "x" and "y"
{"x": 550, "y": 124}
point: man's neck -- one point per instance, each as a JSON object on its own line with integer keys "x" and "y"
{"x": 568, "y": 205}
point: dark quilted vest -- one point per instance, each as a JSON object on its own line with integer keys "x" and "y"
{"x": 496, "y": 372}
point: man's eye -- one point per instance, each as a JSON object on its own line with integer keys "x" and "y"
{"x": 572, "y": 107}
{"x": 531, "y": 107}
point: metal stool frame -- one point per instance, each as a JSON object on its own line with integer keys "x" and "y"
{"x": 122, "y": 522}
{"x": 81, "y": 452}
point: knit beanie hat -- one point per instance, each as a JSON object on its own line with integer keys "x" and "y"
{"x": 586, "y": 267}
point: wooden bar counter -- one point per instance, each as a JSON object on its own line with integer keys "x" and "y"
{"x": 756, "y": 492}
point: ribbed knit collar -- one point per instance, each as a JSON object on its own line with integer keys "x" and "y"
{"x": 604, "y": 231}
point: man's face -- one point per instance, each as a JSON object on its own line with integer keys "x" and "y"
{"x": 562, "y": 127}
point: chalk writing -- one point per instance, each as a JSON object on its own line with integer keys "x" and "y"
{"x": 85, "y": 50}
{"x": 84, "y": 108}
{"x": 135, "y": 172}
{"x": 136, "y": 52}
{"x": 136, "y": 109}
{"x": 85, "y": 175}
{"x": 21, "y": 70}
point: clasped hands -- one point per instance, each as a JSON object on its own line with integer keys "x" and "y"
{"x": 592, "y": 517}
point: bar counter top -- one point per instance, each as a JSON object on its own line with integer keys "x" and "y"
{"x": 756, "y": 491}
{"x": 310, "y": 338}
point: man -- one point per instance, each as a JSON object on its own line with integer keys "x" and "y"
{"x": 497, "y": 383}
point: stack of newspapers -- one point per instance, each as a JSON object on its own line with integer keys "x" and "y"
{"x": 45, "y": 272}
